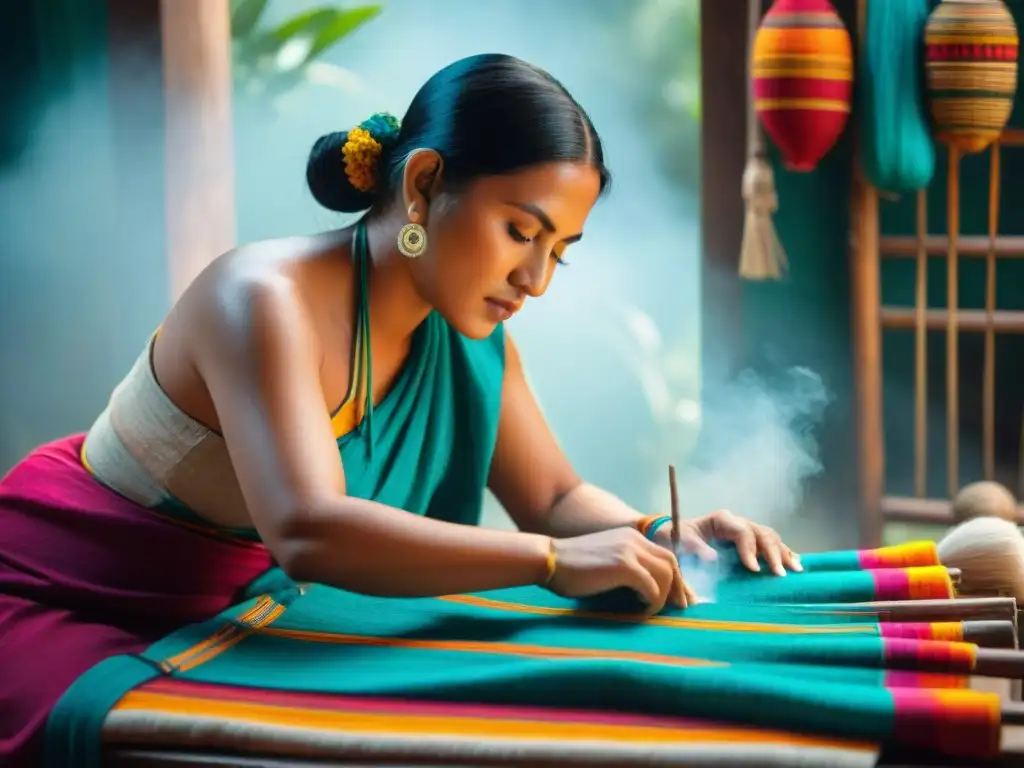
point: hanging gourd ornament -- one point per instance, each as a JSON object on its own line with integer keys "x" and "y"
{"x": 971, "y": 51}
{"x": 802, "y": 69}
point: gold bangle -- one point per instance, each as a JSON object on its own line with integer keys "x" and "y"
{"x": 551, "y": 563}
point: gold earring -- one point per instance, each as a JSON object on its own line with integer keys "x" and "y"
{"x": 412, "y": 240}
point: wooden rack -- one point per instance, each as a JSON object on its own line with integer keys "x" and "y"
{"x": 870, "y": 318}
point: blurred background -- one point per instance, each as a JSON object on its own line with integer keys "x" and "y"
{"x": 613, "y": 351}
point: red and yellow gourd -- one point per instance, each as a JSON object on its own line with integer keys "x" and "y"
{"x": 802, "y": 69}
{"x": 971, "y": 52}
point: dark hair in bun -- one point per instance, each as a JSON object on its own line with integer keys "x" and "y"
{"x": 343, "y": 168}
{"x": 486, "y": 115}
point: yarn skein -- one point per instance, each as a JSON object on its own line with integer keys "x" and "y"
{"x": 989, "y": 552}
{"x": 897, "y": 149}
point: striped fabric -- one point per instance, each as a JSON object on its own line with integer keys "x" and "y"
{"x": 309, "y": 671}
{"x": 315, "y": 726}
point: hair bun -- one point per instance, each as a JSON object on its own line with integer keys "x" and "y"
{"x": 343, "y": 169}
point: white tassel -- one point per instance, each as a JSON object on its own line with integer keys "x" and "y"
{"x": 761, "y": 255}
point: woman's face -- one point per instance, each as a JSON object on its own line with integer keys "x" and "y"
{"x": 500, "y": 242}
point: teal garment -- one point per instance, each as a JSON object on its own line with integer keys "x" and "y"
{"x": 897, "y": 151}
{"x": 359, "y": 645}
{"x": 427, "y": 446}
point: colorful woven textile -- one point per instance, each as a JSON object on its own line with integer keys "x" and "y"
{"x": 971, "y": 65}
{"x": 914, "y": 554}
{"x": 335, "y": 728}
{"x": 802, "y": 66}
{"x": 526, "y": 647}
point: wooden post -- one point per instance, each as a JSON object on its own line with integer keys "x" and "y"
{"x": 199, "y": 147}
{"x": 865, "y": 287}
{"x": 723, "y": 156}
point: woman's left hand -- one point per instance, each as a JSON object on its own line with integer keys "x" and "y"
{"x": 752, "y": 541}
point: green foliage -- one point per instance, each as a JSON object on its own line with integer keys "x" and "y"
{"x": 270, "y": 61}
{"x": 666, "y": 37}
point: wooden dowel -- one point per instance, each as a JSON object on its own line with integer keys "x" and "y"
{"x": 975, "y": 608}
{"x": 989, "y": 373}
{"x": 673, "y": 489}
{"x": 865, "y": 299}
{"x": 1012, "y": 713}
{"x": 921, "y": 350}
{"x": 973, "y": 246}
{"x": 1012, "y": 137}
{"x": 970, "y": 320}
{"x": 999, "y": 662}
{"x": 990, "y": 633}
{"x": 939, "y": 511}
{"x": 952, "y": 331}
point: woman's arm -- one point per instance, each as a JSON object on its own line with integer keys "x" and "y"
{"x": 531, "y": 476}
{"x": 539, "y": 489}
{"x": 260, "y": 360}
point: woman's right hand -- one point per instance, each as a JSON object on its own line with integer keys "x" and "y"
{"x": 619, "y": 557}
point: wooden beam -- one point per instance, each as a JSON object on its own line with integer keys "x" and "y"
{"x": 969, "y": 320}
{"x": 866, "y": 331}
{"x": 937, "y": 511}
{"x": 199, "y": 148}
{"x": 723, "y": 156}
{"x": 1012, "y": 137}
{"x": 938, "y": 245}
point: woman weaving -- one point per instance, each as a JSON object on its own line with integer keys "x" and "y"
{"x": 218, "y": 455}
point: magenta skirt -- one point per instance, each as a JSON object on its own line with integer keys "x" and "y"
{"x": 86, "y": 574}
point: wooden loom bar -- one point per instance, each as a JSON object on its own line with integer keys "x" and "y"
{"x": 991, "y": 633}
{"x": 939, "y": 511}
{"x": 961, "y": 609}
{"x": 974, "y": 246}
{"x": 866, "y": 333}
{"x": 952, "y": 331}
{"x": 969, "y": 320}
{"x": 921, "y": 350}
{"x": 1012, "y": 137}
{"x": 989, "y": 373}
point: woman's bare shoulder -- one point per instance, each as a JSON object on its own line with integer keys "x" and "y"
{"x": 266, "y": 275}
{"x": 244, "y": 301}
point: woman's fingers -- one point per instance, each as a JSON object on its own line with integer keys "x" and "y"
{"x": 791, "y": 559}
{"x": 769, "y": 545}
{"x": 641, "y": 581}
{"x": 693, "y": 543}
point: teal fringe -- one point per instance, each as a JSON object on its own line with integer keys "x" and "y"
{"x": 896, "y": 146}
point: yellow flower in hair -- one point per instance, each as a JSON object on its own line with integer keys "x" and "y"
{"x": 362, "y": 156}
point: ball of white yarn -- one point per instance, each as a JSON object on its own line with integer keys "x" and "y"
{"x": 989, "y": 551}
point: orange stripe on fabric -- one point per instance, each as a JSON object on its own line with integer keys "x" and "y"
{"x": 663, "y": 621}
{"x": 352, "y": 721}
{"x": 929, "y": 582}
{"x": 226, "y": 637}
{"x": 474, "y": 646}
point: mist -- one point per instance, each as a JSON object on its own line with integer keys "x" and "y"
{"x": 760, "y": 456}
